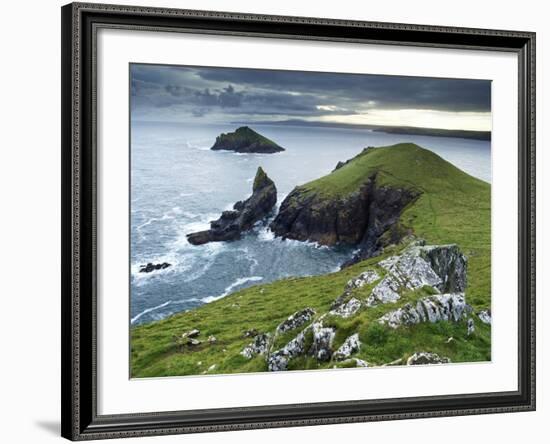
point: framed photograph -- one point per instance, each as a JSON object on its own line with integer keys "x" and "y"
{"x": 281, "y": 221}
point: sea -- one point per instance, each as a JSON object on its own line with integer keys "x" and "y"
{"x": 178, "y": 185}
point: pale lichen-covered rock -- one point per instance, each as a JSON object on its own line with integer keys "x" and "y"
{"x": 278, "y": 361}
{"x": 365, "y": 278}
{"x": 351, "y": 345}
{"x": 442, "y": 267}
{"x": 424, "y": 358}
{"x": 386, "y": 291}
{"x": 321, "y": 348}
{"x": 485, "y": 316}
{"x": 352, "y": 362}
{"x": 440, "y": 307}
{"x": 259, "y": 346}
{"x": 296, "y": 320}
{"x": 471, "y": 326}
{"x": 347, "y": 309}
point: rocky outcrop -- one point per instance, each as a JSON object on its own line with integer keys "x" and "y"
{"x": 441, "y": 307}
{"x": 442, "y": 267}
{"x": 357, "y": 219}
{"x": 244, "y": 215}
{"x": 278, "y": 361}
{"x": 346, "y": 309}
{"x": 150, "y": 267}
{"x": 485, "y": 316}
{"x": 351, "y": 345}
{"x": 437, "y": 269}
{"x": 258, "y": 347}
{"x": 246, "y": 140}
{"x": 471, "y": 327}
{"x": 424, "y": 358}
{"x": 295, "y": 320}
{"x": 322, "y": 342}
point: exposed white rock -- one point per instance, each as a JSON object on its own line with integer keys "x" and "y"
{"x": 356, "y": 361}
{"x": 278, "y": 361}
{"x": 424, "y": 358}
{"x": 351, "y": 345}
{"x": 386, "y": 291}
{"x": 471, "y": 326}
{"x": 442, "y": 267}
{"x": 365, "y": 278}
{"x": 322, "y": 342}
{"x": 347, "y": 309}
{"x": 258, "y": 347}
{"x": 485, "y": 316}
{"x": 411, "y": 270}
{"x": 191, "y": 333}
{"x": 296, "y": 320}
{"x": 441, "y": 307}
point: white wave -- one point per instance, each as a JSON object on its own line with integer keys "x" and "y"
{"x": 148, "y": 310}
{"x": 165, "y": 216}
{"x": 186, "y": 194}
{"x": 265, "y": 234}
{"x": 231, "y": 287}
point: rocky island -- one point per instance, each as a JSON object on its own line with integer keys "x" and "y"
{"x": 246, "y": 140}
{"x": 231, "y": 224}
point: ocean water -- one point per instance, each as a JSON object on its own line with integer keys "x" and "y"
{"x": 178, "y": 185}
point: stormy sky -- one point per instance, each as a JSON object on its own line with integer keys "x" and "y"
{"x": 224, "y": 95}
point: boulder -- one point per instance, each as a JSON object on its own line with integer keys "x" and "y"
{"x": 295, "y": 320}
{"x": 246, "y": 140}
{"x": 259, "y": 346}
{"x": 471, "y": 327}
{"x": 351, "y": 345}
{"x": 485, "y": 316}
{"x": 245, "y": 214}
{"x": 278, "y": 361}
{"x": 441, "y": 307}
{"x": 150, "y": 267}
{"x": 191, "y": 333}
{"x": 424, "y": 358}
{"x": 365, "y": 278}
{"x": 321, "y": 348}
{"x": 442, "y": 267}
{"x": 347, "y": 309}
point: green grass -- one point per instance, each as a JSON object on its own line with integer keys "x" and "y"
{"x": 453, "y": 208}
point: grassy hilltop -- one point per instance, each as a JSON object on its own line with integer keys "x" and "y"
{"x": 452, "y": 207}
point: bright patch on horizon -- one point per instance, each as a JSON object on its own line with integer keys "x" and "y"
{"x": 473, "y": 121}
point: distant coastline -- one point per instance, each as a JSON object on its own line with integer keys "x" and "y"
{"x": 417, "y": 131}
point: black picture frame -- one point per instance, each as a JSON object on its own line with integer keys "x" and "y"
{"x": 80, "y": 22}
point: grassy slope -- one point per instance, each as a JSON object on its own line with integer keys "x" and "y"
{"x": 454, "y": 208}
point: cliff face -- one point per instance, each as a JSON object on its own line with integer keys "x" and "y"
{"x": 360, "y": 218}
{"x": 246, "y": 140}
{"x": 244, "y": 215}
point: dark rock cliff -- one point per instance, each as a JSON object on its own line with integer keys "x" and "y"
{"x": 367, "y": 218}
{"x": 244, "y": 215}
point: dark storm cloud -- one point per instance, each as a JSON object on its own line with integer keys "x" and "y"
{"x": 237, "y": 92}
{"x": 391, "y": 92}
